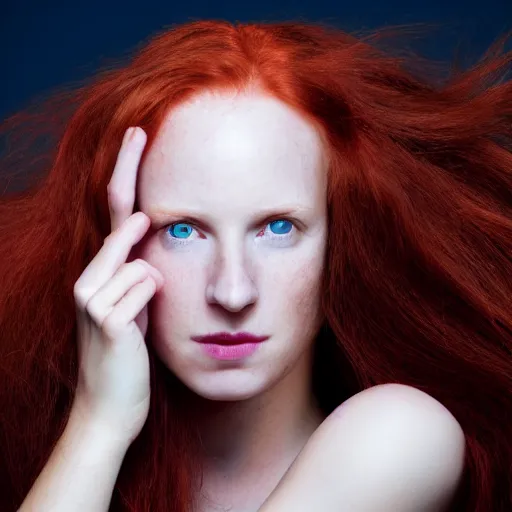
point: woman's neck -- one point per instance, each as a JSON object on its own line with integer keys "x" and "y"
{"x": 249, "y": 445}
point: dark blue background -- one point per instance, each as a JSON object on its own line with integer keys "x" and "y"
{"x": 45, "y": 44}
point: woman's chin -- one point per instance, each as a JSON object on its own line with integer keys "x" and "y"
{"x": 225, "y": 386}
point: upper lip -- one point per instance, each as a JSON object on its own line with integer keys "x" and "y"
{"x": 226, "y": 338}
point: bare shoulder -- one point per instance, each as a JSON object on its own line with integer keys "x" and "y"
{"x": 389, "y": 448}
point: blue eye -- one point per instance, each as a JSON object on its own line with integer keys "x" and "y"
{"x": 281, "y": 230}
{"x": 181, "y": 231}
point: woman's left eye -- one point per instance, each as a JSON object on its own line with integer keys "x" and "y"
{"x": 280, "y": 227}
{"x": 180, "y": 231}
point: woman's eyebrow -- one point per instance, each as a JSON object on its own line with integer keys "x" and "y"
{"x": 162, "y": 214}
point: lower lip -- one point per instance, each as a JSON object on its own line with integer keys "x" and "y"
{"x": 230, "y": 352}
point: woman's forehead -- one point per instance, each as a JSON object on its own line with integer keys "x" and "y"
{"x": 235, "y": 149}
{"x": 230, "y": 126}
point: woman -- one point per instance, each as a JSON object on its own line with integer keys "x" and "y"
{"x": 290, "y": 181}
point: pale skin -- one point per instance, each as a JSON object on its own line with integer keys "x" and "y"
{"x": 225, "y": 159}
{"x": 391, "y": 448}
{"x": 228, "y": 161}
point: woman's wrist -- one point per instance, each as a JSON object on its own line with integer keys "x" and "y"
{"x": 87, "y": 431}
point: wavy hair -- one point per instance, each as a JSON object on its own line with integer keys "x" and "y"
{"x": 418, "y": 279}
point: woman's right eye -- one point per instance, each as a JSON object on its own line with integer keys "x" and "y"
{"x": 179, "y": 232}
{"x": 183, "y": 229}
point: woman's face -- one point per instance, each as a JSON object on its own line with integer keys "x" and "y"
{"x": 235, "y": 187}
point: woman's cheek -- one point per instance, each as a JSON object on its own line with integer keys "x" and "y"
{"x": 304, "y": 294}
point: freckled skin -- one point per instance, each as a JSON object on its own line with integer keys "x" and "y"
{"x": 227, "y": 158}
{"x": 230, "y": 157}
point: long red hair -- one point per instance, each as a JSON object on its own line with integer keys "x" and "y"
{"x": 418, "y": 277}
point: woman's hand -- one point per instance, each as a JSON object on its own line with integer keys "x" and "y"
{"x": 111, "y": 297}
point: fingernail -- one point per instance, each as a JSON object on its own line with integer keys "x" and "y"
{"x": 133, "y": 134}
{"x": 128, "y": 134}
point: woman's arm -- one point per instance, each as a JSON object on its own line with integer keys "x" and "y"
{"x": 81, "y": 472}
{"x": 390, "y": 448}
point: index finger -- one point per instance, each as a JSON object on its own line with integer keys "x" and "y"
{"x": 122, "y": 186}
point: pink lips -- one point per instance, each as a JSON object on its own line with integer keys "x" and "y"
{"x": 227, "y": 346}
{"x": 226, "y": 338}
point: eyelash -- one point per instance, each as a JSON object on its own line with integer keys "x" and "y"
{"x": 286, "y": 236}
